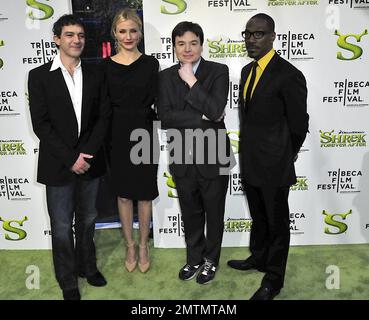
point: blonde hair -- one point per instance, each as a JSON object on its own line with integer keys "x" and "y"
{"x": 124, "y": 15}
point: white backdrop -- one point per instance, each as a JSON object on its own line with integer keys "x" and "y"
{"x": 328, "y": 205}
{"x": 330, "y": 44}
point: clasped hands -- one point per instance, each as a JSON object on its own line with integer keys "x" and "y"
{"x": 81, "y": 166}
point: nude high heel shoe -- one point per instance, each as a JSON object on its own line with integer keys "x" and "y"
{"x": 144, "y": 267}
{"x": 130, "y": 266}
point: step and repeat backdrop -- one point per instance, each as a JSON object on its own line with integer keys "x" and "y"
{"x": 329, "y": 42}
{"x": 326, "y": 39}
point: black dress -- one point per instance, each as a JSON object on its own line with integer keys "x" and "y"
{"x": 132, "y": 90}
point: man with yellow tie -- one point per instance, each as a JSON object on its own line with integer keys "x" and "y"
{"x": 273, "y": 125}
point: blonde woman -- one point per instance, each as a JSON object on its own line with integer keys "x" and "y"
{"x": 132, "y": 88}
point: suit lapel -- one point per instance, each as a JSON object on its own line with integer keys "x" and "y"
{"x": 243, "y": 83}
{"x": 264, "y": 80}
{"x": 57, "y": 77}
{"x": 201, "y": 70}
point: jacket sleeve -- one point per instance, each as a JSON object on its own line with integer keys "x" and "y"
{"x": 294, "y": 94}
{"x": 42, "y": 125}
{"x": 211, "y": 102}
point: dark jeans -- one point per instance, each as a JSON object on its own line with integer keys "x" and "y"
{"x": 73, "y": 256}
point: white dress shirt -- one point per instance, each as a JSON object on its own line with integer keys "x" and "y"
{"x": 74, "y": 84}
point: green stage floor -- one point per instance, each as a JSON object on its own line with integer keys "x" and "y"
{"x": 307, "y": 276}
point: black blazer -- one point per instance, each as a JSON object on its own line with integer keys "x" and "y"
{"x": 180, "y": 107}
{"x": 55, "y": 124}
{"x": 274, "y": 126}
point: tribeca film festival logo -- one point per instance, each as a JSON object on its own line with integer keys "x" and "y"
{"x": 341, "y": 181}
{"x": 348, "y": 93}
{"x": 237, "y": 225}
{"x": 13, "y": 188}
{"x": 300, "y": 185}
{"x": 43, "y": 52}
{"x": 355, "y": 50}
{"x": 12, "y": 148}
{"x": 219, "y": 49}
{"x": 233, "y": 95}
{"x": 232, "y": 5}
{"x": 7, "y": 102}
{"x": 167, "y": 50}
{"x": 295, "y": 46}
{"x": 294, "y": 226}
{"x": 346, "y": 139}
{"x": 339, "y": 227}
{"x": 353, "y": 4}
{"x": 235, "y": 184}
{"x": 173, "y": 7}
{"x": 174, "y": 225}
{"x": 11, "y": 230}
{"x": 292, "y": 3}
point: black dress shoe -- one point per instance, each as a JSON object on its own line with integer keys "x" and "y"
{"x": 265, "y": 293}
{"x": 96, "y": 280}
{"x": 244, "y": 265}
{"x": 188, "y": 272}
{"x": 71, "y": 294}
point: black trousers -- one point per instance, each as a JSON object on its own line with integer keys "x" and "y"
{"x": 65, "y": 203}
{"x": 202, "y": 203}
{"x": 270, "y": 231}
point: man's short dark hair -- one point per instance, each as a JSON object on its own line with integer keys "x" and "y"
{"x": 268, "y": 19}
{"x": 66, "y": 20}
{"x": 181, "y": 28}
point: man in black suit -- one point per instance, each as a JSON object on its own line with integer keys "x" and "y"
{"x": 70, "y": 120}
{"x": 273, "y": 123}
{"x": 192, "y": 98}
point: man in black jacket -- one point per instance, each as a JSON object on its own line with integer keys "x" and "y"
{"x": 70, "y": 120}
{"x": 273, "y": 125}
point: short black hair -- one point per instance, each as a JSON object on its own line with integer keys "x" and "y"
{"x": 66, "y": 20}
{"x": 268, "y": 19}
{"x": 181, "y": 28}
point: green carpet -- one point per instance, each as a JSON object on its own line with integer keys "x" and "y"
{"x": 305, "y": 277}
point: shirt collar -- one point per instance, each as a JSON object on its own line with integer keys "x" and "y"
{"x": 57, "y": 63}
{"x": 196, "y": 65}
{"x": 263, "y": 61}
